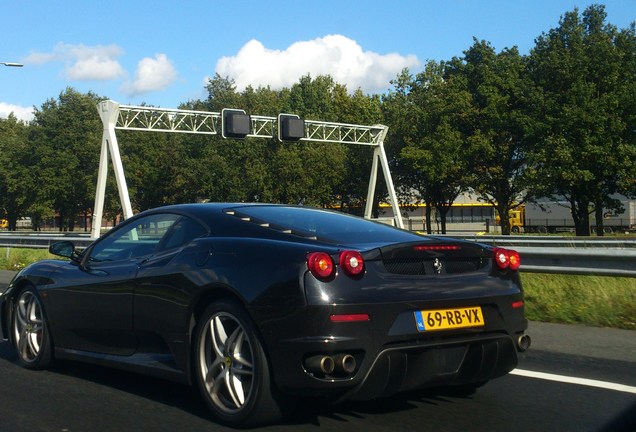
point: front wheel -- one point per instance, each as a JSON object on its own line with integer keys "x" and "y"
{"x": 231, "y": 368}
{"x": 31, "y": 337}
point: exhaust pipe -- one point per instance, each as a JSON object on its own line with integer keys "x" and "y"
{"x": 523, "y": 342}
{"x": 344, "y": 363}
{"x": 320, "y": 364}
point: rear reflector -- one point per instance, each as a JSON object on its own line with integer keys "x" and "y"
{"x": 517, "y": 304}
{"x": 350, "y": 317}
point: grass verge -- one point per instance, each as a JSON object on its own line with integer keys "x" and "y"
{"x": 18, "y": 258}
{"x": 599, "y": 301}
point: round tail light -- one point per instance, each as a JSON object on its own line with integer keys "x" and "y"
{"x": 507, "y": 259}
{"x": 352, "y": 263}
{"x": 514, "y": 259}
{"x": 320, "y": 265}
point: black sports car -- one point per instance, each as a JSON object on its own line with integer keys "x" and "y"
{"x": 259, "y": 304}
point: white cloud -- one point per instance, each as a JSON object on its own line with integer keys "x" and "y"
{"x": 152, "y": 74}
{"x": 335, "y": 55}
{"x": 22, "y": 113}
{"x": 83, "y": 63}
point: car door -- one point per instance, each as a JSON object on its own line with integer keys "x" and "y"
{"x": 93, "y": 301}
{"x": 164, "y": 288}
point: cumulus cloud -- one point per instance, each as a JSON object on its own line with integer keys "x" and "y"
{"x": 152, "y": 74}
{"x": 335, "y": 55}
{"x": 83, "y": 63}
{"x": 21, "y": 113}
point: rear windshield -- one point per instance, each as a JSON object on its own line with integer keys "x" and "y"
{"x": 327, "y": 225}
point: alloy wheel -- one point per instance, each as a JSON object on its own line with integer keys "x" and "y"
{"x": 226, "y": 362}
{"x": 28, "y": 327}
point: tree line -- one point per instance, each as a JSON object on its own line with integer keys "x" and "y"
{"x": 505, "y": 127}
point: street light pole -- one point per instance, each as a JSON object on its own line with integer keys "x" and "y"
{"x": 11, "y": 64}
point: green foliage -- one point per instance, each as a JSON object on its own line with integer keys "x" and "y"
{"x": 590, "y": 300}
{"x": 17, "y": 258}
{"x": 16, "y": 177}
{"x": 66, "y": 137}
{"x": 585, "y": 69}
{"x": 259, "y": 170}
{"x": 501, "y": 129}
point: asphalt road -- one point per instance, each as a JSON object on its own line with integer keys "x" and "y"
{"x": 75, "y": 397}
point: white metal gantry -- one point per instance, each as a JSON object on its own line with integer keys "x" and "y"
{"x": 115, "y": 116}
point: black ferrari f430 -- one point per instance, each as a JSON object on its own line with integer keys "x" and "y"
{"x": 258, "y": 304}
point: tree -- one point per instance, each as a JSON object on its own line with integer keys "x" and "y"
{"x": 585, "y": 69}
{"x": 354, "y": 161}
{"x": 157, "y": 170}
{"x": 434, "y": 154}
{"x": 328, "y": 176}
{"x": 500, "y": 126}
{"x": 17, "y": 173}
{"x": 66, "y": 134}
{"x": 400, "y": 113}
{"x": 318, "y": 174}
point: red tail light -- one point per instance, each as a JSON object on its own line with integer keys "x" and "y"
{"x": 515, "y": 260}
{"x": 351, "y": 263}
{"x": 507, "y": 259}
{"x": 320, "y": 265}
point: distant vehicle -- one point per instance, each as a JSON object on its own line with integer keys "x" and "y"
{"x": 555, "y": 217}
{"x": 259, "y": 304}
{"x": 24, "y": 222}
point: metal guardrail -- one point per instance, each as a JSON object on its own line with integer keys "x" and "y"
{"x": 569, "y": 255}
{"x": 41, "y": 240}
{"x": 591, "y": 261}
{"x": 552, "y": 241}
{"x": 562, "y": 255}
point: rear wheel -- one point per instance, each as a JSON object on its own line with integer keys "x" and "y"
{"x": 231, "y": 368}
{"x": 31, "y": 337}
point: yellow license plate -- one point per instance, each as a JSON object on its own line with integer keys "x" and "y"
{"x": 444, "y": 319}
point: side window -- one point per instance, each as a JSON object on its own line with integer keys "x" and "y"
{"x": 137, "y": 239}
{"x": 182, "y": 232}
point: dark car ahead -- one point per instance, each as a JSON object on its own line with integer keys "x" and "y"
{"x": 259, "y": 304}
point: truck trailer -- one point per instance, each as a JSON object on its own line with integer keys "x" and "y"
{"x": 547, "y": 216}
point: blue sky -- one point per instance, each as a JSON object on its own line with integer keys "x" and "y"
{"x": 161, "y": 52}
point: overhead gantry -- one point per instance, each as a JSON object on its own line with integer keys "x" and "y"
{"x": 229, "y": 123}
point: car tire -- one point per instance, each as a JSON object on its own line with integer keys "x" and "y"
{"x": 232, "y": 370}
{"x": 30, "y": 331}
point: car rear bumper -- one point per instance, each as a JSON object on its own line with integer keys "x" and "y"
{"x": 389, "y": 354}
{"x": 414, "y": 367}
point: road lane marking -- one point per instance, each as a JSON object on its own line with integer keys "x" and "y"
{"x": 574, "y": 380}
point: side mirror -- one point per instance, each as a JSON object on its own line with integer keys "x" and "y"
{"x": 63, "y": 248}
